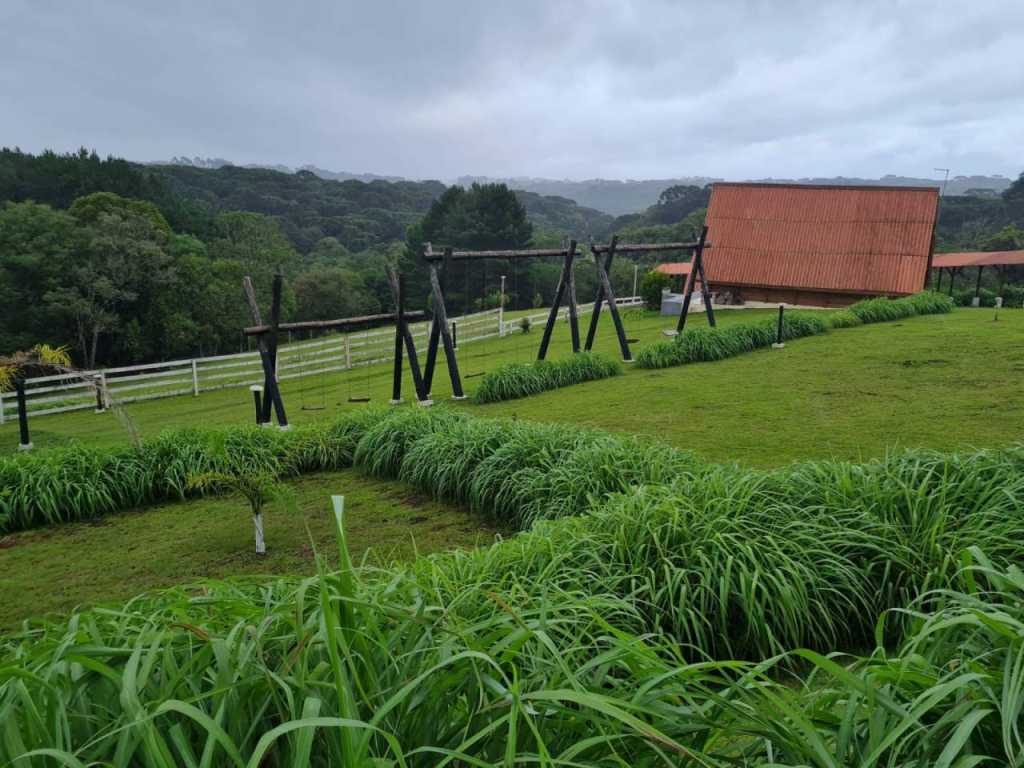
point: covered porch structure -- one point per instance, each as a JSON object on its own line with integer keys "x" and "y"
{"x": 955, "y": 263}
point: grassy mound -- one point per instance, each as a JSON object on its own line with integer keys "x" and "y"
{"x": 516, "y": 380}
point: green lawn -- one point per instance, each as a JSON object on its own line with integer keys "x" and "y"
{"x": 943, "y": 381}
{"x": 940, "y": 381}
{"x": 51, "y": 570}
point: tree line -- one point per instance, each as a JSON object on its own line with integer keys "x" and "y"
{"x": 128, "y": 263}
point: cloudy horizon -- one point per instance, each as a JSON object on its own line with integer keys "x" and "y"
{"x": 584, "y": 90}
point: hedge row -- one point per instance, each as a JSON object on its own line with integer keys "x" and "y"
{"x": 696, "y": 345}
{"x": 515, "y": 380}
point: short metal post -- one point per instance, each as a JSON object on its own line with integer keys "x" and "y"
{"x": 26, "y": 441}
{"x": 778, "y": 334}
{"x": 257, "y": 397}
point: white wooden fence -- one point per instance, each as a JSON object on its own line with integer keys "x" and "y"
{"x": 81, "y": 390}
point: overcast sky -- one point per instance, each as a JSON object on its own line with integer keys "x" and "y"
{"x": 528, "y": 88}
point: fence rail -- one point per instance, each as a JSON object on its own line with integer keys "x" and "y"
{"x": 83, "y": 390}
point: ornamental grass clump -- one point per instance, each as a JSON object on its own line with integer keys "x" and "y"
{"x": 699, "y": 345}
{"x": 82, "y": 483}
{"x": 515, "y": 380}
{"x": 881, "y": 309}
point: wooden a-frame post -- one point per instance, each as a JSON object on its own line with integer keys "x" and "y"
{"x": 697, "y": 270}
{"x": 268, "y": 350}
{"x": 566, "y": 284}
{"x": 404, "y": 336}
{"x": 605, "y": 293}
{"x": 439, "y": 330}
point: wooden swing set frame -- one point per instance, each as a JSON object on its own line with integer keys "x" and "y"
{"x": 603, "y": 255}
{"x": 267, "y": 336}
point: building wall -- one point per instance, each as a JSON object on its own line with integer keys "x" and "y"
{"x": 790, "y": 296}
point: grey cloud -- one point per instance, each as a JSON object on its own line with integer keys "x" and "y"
{"x": 575, "y": 89}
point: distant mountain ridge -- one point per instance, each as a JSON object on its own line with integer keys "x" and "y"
{"x": 634, "y": 196}
{"x": 619, "y": 197}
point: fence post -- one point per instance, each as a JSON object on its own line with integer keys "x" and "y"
{"x": 3, "y": 417}
{"x": 195, "y": 378}
{"x": 348, "y": 353}
{"x": 101, "y": 392}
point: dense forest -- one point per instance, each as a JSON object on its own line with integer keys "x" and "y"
{"x": 132, "y": 263}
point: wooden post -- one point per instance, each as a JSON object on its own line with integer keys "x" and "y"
{"x": 195, "y": 379}
{"x": 271, "y": 394}
{"x": 396, "y": 378}
{"x": 952, "y": 279}
{"x": 256, "y": 389}
{"x": 98, "y": 382}
{"x": 574, "y": 324}
{"x": 403, "y": 334}
{"x": 25, "y": 443}
{"x": 977, "y": 288}
{"x": 605, "y": 291}
{"x": 439, "y": 328}
{"x": 938, "y": 287}
{"x": 696, "y": 270}
{"x": 563, "y": 281}
{"x": 599, "y": 293}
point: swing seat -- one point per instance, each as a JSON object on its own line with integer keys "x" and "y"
{"x": 667, "y": 332}
{"x": 359, "y": 399}
{"x": 314, "y": 407}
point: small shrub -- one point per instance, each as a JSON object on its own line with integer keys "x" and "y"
{"x": 651, "y": 286}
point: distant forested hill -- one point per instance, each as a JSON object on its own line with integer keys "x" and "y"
{"x": 627, "y": 197}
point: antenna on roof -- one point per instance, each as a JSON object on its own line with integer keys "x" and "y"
{"x": 945, "y": 181}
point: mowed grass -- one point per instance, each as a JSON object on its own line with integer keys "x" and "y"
{"x": 939, "y": 381}
{"x": 52, "y": 570}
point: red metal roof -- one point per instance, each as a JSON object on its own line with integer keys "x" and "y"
{"x": 674, "y": 268}
{"x": 977, "y": 259}
{"x": 865, "y": 240}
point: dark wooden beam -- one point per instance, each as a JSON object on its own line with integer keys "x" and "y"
{"x": 643, "y": 247}
{"x": 341, "y": 323}
{"x": 517, "y": 253}
{"x": 271, "y": 393}
{"x": 563, "y": 284}
{"x": 403, "y": 335}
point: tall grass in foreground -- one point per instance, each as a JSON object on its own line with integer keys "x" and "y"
{"x": 383, "y": 669}
{"x": 515, "y": 380}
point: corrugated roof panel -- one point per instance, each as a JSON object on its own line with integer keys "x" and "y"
{"x": 978, "y": 259}
{"x": 872, "y": 240}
